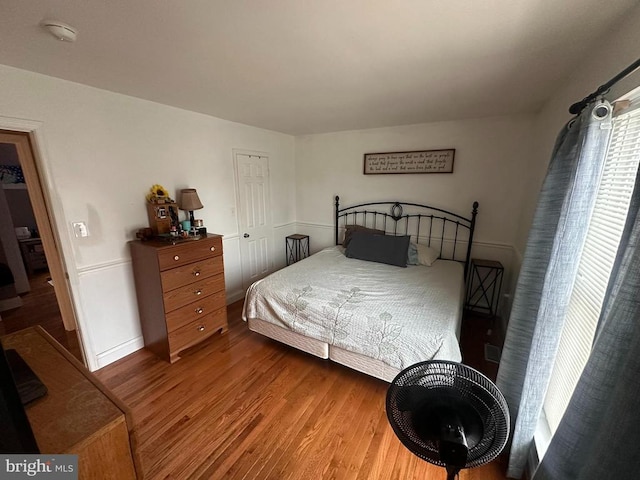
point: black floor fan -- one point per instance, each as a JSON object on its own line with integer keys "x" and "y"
{"x": 448, "y": 414}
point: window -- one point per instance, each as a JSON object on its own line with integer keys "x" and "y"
{"x": 603, "y": 237}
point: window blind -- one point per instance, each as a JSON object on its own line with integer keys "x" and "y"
{"x": 603, "y": 237}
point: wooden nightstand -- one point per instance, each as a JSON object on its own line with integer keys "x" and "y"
{"x": 181, "y": 292}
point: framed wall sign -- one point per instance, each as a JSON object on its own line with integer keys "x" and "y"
{"x": 421, "y": 161}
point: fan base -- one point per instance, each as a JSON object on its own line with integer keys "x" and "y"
{"x": 452, "y": 472}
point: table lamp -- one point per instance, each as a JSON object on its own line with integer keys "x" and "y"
{"x": 190, "y": 201}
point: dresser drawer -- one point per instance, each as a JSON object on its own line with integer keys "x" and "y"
{"x": 189, "y": 252}
{"x": 177, "y": 277}
{"x": 198, "y": 330}
{"x": 195, "y": 310}
{"x": 193, "y": 292}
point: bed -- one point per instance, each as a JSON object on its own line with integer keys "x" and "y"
{"x": 389, "y": 294}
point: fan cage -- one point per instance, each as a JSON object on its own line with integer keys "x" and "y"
{"x": 445, "y": 378}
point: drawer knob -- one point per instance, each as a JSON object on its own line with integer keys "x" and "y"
{"x": 213, "y": 249}
{"x": 198, "y": 292}
{"x": 176, "y": 257}
{"x": 196, "y": 273}
{"x": 201, "y": 328}
{"x": 199, "y": 310}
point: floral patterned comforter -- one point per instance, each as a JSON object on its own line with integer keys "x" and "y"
{"x": 397, "y": 315}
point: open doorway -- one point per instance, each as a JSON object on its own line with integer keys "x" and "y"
{"x": 34, "y": 288}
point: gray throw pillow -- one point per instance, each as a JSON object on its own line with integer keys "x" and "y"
{"x": 349, "y": 229}
{"x": 372, "y": 247}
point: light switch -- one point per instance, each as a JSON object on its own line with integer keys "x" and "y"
{"x": 80, "y": 229}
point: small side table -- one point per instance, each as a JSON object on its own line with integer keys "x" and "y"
{"x": 296, "y": 248}
{"x": 33, "y": 254}
{"x": 485, "y": 283}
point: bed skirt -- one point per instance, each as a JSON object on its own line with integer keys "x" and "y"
{"x": 355, "y": 361}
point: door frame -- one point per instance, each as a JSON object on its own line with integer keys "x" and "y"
{"x": 254, "y": 153}
{"x": 27, "y": 137}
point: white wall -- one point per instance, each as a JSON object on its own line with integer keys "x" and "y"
{"x": 101, "y": 153}
{"x": 490, "y": 156}
{"x": 610, "y": 55}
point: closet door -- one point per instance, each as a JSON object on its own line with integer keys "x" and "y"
{"x": 254, "y": 217}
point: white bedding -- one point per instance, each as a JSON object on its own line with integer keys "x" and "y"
{"x": 397, "y": 315}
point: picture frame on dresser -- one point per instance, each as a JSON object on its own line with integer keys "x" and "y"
{"x": 180, "y": 289}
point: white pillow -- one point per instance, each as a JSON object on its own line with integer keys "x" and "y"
{"x": 426, "y": 255}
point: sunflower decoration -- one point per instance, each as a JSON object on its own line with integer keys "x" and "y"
{"x": 158, "y": 194}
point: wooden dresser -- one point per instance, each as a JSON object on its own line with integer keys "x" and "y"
{"x": 78, "y": 415}
{"x": 181, "y": 292}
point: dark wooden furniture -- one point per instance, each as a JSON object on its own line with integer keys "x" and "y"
{"x": 181, "y": 292}
{"x": 33, "y": 254}
{"x": 484, "y": 285}
{"x": 296, "y": 247}
{"x": 78, "y": 415}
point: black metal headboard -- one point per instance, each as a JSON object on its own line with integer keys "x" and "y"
{"x": 448, "y": 232}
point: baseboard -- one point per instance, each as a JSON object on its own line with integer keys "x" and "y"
{"x": 233, "y": 297}
{"x": 116, "y": 353}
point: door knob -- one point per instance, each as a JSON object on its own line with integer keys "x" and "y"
{"x": 246, "y": 235}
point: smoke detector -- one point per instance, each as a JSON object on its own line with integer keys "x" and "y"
{"x": 60, "y": 30}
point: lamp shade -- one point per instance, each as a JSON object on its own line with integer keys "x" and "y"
{"x": 189, "y": 200}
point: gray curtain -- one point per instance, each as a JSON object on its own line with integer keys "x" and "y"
{"x": 599, "y": 434}
{"x": 548, "y": 270}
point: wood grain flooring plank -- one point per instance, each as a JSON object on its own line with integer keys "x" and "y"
{"x": 241, "y": 406}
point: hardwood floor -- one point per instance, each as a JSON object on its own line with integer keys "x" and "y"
{"x": 477, "y": 331}
{"x": 40, "y": 307}
{"x": 241, "y": 406}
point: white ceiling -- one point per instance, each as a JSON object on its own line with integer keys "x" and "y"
{"x": 311, "y": 66}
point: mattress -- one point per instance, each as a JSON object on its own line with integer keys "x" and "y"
{"x": 348, "y": 309}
